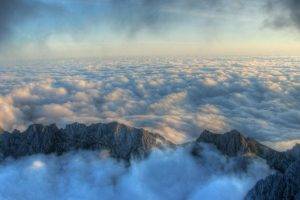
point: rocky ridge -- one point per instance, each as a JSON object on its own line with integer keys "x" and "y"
{"x": 233, "y": 143}
{"x": 124, "y": 142}
{"x": 284, "y": 184}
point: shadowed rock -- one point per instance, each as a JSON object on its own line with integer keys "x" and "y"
{"x": 233, "y": 143}
{"x": 124, "y": 142}
{"x": 284, "y": 184}
{"x": 294, "y": 153}
{"x": 278, "y": 186}
{"x": 121, "y": 141}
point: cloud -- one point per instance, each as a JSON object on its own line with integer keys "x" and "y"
{"x": 210, "y": 117}
{"x": 10, "y": 14}
{"x": 156, "y": 15}
{"x": 257, "y": 96}
{"x": 283, "y": 13}
{"x": 14, "y": 13}
{"x": 70, "y": 20}
{"x": 85, "y": 175}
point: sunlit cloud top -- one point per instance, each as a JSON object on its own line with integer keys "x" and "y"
{"x": 93, "y": 28}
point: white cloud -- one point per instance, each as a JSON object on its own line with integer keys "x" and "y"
{"x": 177, "y": 97}
{"x": 173, "y": 174}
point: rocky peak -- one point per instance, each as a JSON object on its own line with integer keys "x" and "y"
{"x": 234, "y": 143}
{"x": 278, "y": 186}
{"x": 40, "y": 129}
{"x": 120, "y": 140}
{"x": 294, "y": 153}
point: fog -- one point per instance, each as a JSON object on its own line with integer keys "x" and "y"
{"x": 172, "y": 174}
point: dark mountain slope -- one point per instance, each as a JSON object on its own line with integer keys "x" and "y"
{"x": 124, "y": 142}
{"x": 278, "y": 186}
{"x": 284, "y": 184}
{"x": 233, "y": 143}
{"x": 120, "y": 140}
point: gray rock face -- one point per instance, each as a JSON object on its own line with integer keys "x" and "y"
{"x": 284, "y": 185}
{"x": 121, "y": 141}
{"x": 124, "y": 142}
{"x": 233, "y": 143}
{"x": 294, "y": 153}
{"x": 278, "y": 186}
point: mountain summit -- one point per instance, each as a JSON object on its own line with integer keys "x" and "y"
{"x": 122, "y": 142}
{"x": 234, "y": 143}
{"x": 284, "y": 184}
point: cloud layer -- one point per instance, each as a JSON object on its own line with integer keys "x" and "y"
{"x": 175, "y": 97}
{"x": 83, "y": 175}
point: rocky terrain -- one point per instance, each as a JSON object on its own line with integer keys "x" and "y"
{"x": 284, "y": 184}
{"x": 278, "y": 186}
{"x": 233, "y": 143}
{"x": 123, "y": 142}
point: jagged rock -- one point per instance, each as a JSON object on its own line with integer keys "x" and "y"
{"x": 124, "y": 142}
{"x": 120, "y": 140}
{"x": 1, "y": 130}
{"x": 285, "y": 184}
{"x": 233, "y": 143}
{"x": 278, "y": 186}
{"x": 294, "y": 153}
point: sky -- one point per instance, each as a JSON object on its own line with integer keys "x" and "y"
{"x": 39, "y": 29}
{"x": 172, "y": 67}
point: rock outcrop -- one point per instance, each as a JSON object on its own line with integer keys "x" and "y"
{"x": 233, "y": 143}
{"x": 124, "y": 142}
{"x": 278, "y": 186}
{"x": 121, "y": 141}
{"x": 283, "y": 185}
{"x": 294, "y": 153}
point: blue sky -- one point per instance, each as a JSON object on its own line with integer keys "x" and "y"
{"x": 94, "y": 28}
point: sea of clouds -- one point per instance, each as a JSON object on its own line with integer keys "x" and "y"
{"x": 172, "y": 174}
{"x": 176, "y": 97}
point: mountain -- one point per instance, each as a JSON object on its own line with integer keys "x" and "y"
{"x": 284, "y": 184}
{"x": 121, "y": 141}
{"x": 278, "y": 186}
{"x": 124, "y": 142}
{"x": 234, "y": 143}
{"x": 294, "y": 153}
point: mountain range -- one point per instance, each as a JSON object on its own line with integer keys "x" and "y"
{"x": 126, "y": 143}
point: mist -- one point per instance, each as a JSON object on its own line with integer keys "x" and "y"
{"x": 170, "y": 174}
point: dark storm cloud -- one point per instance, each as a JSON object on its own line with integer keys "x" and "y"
{"x": 285, "y": 13}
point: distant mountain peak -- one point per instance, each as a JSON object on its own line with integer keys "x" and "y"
{"x": 234, "y": 143}
{"x": 279, "y": 185}
{"x": 120, "y": 140}
{"x": 231, "y": 143}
